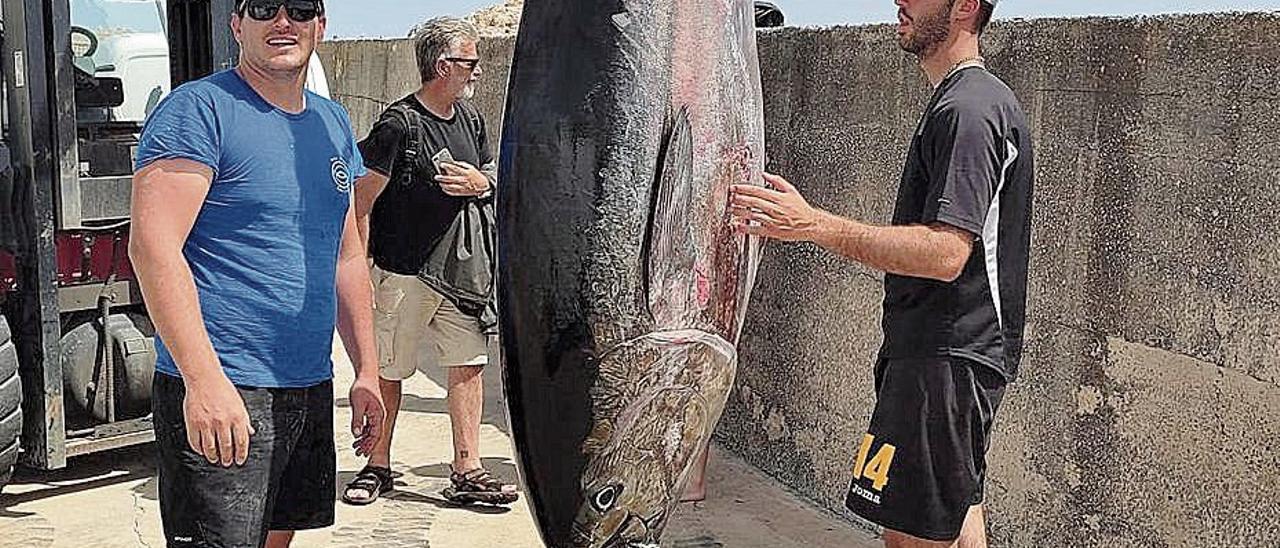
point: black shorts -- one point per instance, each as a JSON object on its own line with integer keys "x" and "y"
{"x": 287, "y": 483}
{"x": 922, "y": 463}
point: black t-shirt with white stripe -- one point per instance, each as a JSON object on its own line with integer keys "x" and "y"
{"x": 970, "y": 166}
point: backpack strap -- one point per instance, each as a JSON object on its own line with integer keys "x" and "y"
{"x": 489, "y": 170}
{"x": 476, "y": 122}
{"x": 412, "y": 156}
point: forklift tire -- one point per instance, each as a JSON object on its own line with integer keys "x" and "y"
{"x": 10, "y": 404}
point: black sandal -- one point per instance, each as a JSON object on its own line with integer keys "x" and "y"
{"x": 374, "y": 480}
{"x": 479, "y": 486}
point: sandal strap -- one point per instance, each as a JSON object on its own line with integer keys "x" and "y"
{"x": 371, "y": 478}
{"x": 476, "y": 480}
{"x": 364, "y": 484}
{"x": 383, "y": 473}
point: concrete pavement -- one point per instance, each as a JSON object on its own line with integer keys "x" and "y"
{"x": 109, "y": 500}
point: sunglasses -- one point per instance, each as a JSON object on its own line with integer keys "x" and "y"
{"x": 299, "y": 11}
{"x": 470, "y": 64}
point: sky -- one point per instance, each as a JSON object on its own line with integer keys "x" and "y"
{"x": 393, "y": 18}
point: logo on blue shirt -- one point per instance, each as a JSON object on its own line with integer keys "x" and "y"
{"x": 341, "y": 175}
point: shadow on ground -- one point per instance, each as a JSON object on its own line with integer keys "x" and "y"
{"x": 81, "y": 474}
{"x": 422, "y": 485}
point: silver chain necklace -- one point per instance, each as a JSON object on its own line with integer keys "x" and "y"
{"x": 975, "y": 61}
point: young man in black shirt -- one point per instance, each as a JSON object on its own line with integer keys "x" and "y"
{"x": 428, "y": 156}
{"x": 955, "y": 259}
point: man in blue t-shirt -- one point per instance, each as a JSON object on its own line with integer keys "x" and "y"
{"x": 248, "y": 255}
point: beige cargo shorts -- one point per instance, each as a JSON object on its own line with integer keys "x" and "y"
{"x": 417, "y": 327}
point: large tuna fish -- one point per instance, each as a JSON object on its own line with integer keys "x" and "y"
{"x": 622, "y": 283}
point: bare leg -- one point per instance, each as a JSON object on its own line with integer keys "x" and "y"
{"x": 466, "y": 402}
{"x": 391, "y": 391}
{"x": 972, "y": 535}
{"x": 974, "y": 532}
{"x": 381, "y": 454}
{"x": 695, "y": 490}
{"x": 279, "y": 539}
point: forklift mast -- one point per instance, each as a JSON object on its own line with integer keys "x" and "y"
{"x": 200, "y": 42}
{"x": 60, "y": 245}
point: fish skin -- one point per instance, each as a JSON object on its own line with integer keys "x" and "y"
{"x": 622, "y": 285}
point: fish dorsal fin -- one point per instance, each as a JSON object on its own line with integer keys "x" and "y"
{"x": 671, "y": 249}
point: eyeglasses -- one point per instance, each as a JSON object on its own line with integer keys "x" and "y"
{"x": 299, "y": 11}
{"x": 470, "y": 64}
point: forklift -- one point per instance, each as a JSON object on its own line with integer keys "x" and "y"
{"x": 78, "y": 79}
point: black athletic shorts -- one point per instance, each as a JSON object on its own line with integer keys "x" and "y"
{"x": 287, "y": 483}
{"x": 922, "y": 463}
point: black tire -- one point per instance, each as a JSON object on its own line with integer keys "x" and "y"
{"x": 10, "y": 404}
{"x": 768, "y": 15}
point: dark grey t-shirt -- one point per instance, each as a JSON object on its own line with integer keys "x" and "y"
{"x": 970, "y": 166}
{"x": 412, "y": 213}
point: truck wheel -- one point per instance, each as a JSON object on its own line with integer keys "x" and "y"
{"x": 10, "y": 403}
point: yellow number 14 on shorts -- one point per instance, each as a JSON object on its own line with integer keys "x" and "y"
{"x": 877, "y": 470}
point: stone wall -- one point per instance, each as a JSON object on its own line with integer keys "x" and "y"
{"x": 1148, "y": 411}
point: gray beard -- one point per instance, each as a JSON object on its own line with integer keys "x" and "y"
{"x": 468, "y": 92}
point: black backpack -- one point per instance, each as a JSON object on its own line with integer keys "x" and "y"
{"x": 461, "y": 263}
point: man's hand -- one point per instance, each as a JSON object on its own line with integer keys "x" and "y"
{"x": 462, "y": 179}
{"x": 217, "y": 422}
{"x": 780, "y": 213}
{"x": 367, "y": 414}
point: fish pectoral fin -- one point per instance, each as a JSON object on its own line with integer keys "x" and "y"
{"x": 671, "y": 249}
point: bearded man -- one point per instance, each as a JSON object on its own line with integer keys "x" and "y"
{"x": 955, "y": 258}
{"x": 429, "y": 157}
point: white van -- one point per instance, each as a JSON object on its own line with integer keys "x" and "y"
{"x": 130, "y": 43}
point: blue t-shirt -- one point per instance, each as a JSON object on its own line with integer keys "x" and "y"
{"x": 264, "y": 248}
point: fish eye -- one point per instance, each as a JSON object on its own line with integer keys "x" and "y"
{"x": 604, "y": 499}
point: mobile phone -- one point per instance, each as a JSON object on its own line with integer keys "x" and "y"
{"x": 441, "y": 157}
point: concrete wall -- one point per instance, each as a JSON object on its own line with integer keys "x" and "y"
{"x": 1148, "y": 412}
{"x": 367, "y": 75}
